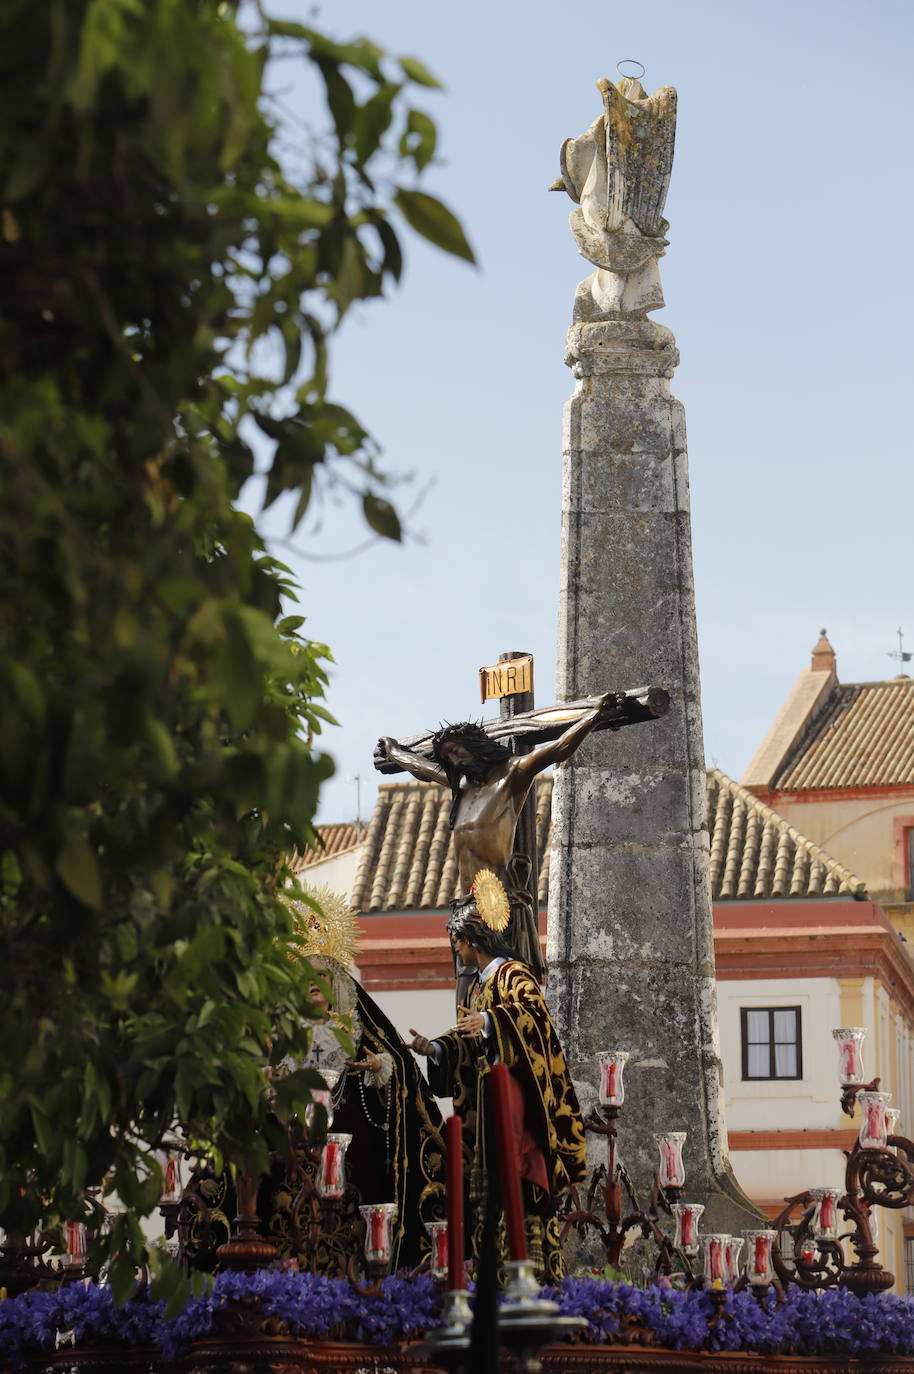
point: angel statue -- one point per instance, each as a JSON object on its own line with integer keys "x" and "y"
{"x": 618, "y": 173}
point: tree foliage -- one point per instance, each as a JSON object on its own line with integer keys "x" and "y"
{"x": 169, "y": 278}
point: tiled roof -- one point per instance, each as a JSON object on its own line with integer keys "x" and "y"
{"x": 864, "y": 738}
{"x": 756, "y": 854}
{"x": 335, "y": 839}
{"x": 408, "y": 860}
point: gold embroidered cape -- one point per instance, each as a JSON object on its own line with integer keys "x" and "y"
{"x": 525, "y": 1040}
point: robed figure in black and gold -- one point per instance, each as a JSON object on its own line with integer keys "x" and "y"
{"x": 377, "y": 1095}
{"x": 506, "y": 1020}
{"x": 380, "y": 1098}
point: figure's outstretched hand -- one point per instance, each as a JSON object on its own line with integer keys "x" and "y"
{"x": 371, "y": 1062}
{"x": 419, "y": 1043}
{"x": 470, "y": 1023}
{"x": 384, "y": 746}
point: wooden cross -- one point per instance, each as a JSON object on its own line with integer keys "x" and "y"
{"x": 519, "y": 726}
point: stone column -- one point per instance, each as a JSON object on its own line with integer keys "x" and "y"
{"x": 630, "y": 947}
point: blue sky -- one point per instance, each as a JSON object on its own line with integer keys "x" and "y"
{"x": 787, "y": 286}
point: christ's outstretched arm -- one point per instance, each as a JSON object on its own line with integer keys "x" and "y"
{"x": 556, "y": 751}
{"x": 423, "y": 769}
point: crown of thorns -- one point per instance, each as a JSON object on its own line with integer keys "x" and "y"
{"x": 472, "y": 736}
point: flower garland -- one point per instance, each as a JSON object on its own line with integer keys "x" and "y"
{"x": 807, "y": 1323}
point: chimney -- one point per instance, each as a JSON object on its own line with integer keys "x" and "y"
{"x": 823, "y": 656}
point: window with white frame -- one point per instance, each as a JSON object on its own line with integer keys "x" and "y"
{"x": 771, "y": 1042}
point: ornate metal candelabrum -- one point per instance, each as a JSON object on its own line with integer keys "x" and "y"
{"x": 611, "y": 1185}
{"x": 320, "y": 1203}
{"x": 24, "y": 1261}
{"x": 879, "y": 1173}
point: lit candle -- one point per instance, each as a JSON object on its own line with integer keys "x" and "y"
{"x": 715, "y": 1263}
{"x": 850, "y": 1055}
{"x": 874, "y": 1126}
{"x": 76, "y": 1244}
{"x": 171, "y": 1177}
{"x": 732, "y": 1252}
{"x": 379, "y": 1218}
{"x": 760, "y": 1267}
{"x": 508, "y": 1167}
{"x": 687, "y": 1216}
{"x": 672, "y": 1173}
{"x": 825, "y": 1216}
{"x": 331, "y": 1174}
{"x": 453, "y": 1141}
{"x": 438, "y": 1262}
{"x": 323, "y": 1097}
{"x": 612, "y": 1090}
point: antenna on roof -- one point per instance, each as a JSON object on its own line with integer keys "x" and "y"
{"x": 357, "y": 779}
{"x": 901, "y": 654}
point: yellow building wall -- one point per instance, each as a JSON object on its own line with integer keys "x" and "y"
{"x": 860, "y": 833}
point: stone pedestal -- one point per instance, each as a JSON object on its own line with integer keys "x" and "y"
{"x": 630, "y": 949}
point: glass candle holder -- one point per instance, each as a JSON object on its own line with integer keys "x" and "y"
{"x": 733, "y": 1251}
{"x": 714, "y": 1256}
{"x": 75, "y": 1257}
{"x": 687, "y": 1215}
{"x": 380, "y": 1219}
{"x": 170, "y": 1161}
{"x": 809, "y": 1252}
{"x": 672, "y": 1173}
{"x": 331, "y": 1172}
{"x": 612, "y": 1090}
{"x": 873, "y": 1126}
{"x": 850, "y": 1053}
{"x": 323, "y": 1097}
{"x": 891, "y": 1124}
{"x": 825, "y": 1217}
{"x": 759, "y": 1268}
{"x": 437, "y": 1232}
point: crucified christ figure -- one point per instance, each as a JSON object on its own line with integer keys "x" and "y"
{"x": 489, "y": 786}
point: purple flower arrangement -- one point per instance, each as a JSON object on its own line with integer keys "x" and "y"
{"x": 806, "y": 1323}
{"x": 325, "y": 1309}
{"x": 35, "y": 1321}
{"x": 313, "y": 1306}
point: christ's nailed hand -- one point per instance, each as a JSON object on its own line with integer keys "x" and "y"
{"x": 419, "y": 1043}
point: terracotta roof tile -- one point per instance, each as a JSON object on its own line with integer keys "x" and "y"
{"x": 408, "y": 861}
{"x": 335, "y": 839}
{"x": 756, "y": 854}
{"x": 864, "y": 738}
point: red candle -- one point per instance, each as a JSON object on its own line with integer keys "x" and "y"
{"x": 507, "y": 1162}
{"x": 453, "y": 1131}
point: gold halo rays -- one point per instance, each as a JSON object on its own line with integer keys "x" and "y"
{"x": 491, "y": 900}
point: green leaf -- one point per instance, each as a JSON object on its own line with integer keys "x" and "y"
{"x": 420, "y": 139}
{"x": 434, "y": 222}
{"x": 418, "y": 72}
{"x": 78, "y": 870}
{"x": 25, "y": 687}
{"x": 393, "y": 257}
{"x": 339, "y": 97}
{"x": 372, "y": 121}
{"x": 287, "y": 28}
{"x": 381, "y": 516}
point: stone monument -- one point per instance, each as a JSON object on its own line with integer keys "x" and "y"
{"x": 630, "y": 947}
